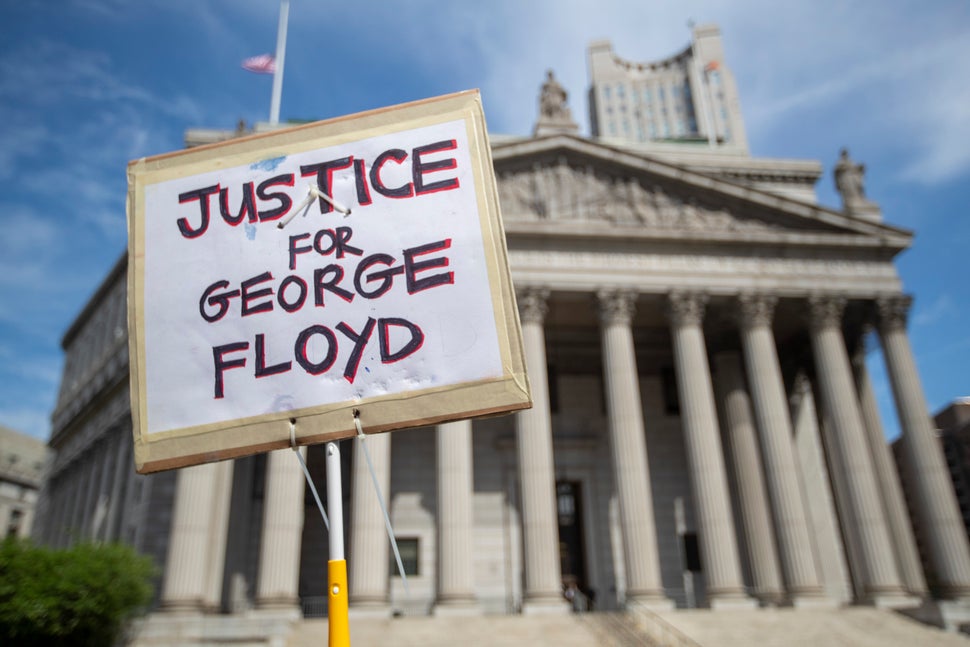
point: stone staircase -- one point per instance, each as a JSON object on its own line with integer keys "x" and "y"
{"x": 573, "y": 630}
{"x": 846, "y": 627}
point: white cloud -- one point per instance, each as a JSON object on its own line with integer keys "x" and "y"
{"x": 935, "y": 311}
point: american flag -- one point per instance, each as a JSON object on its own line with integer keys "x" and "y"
{"x": 262, "y": 64}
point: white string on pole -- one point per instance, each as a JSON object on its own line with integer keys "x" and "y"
{"x": 380, "y": 499}
{"x": 306, "y": 472}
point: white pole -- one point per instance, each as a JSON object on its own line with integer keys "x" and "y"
{"x": 335, "y": 502}
{"x": 274, "y": 109}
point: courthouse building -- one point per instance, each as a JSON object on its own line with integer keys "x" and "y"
{"x": 704, "y": 432}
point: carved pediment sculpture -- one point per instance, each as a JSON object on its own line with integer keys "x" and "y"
{"x": 562, "y": 192}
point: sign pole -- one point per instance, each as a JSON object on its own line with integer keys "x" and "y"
{"x": 337, "y": 613}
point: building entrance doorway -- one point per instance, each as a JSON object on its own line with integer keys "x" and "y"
{"x": 572, "y": 553}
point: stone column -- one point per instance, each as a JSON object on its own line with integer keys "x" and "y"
{"x": 456, "y": 579}
{"x": 218, "y": 535}
{"x": 121, "y": 469}
{"x": 718, "y": 543}
{"x": 99, "y": 508}
{"x": 907, "y": 554}
{"x": 279, "y": 551}
{"x": 882, "y": 584}
{"x": 537, "y": 478}
{"x": 367, "y": 558}
{"x": 629, "y": 445}
{"x": 780, "y": 464}
{"x": 742, "y": 444}
{"x": 189, "y": 564}
{"x": 936, "y": 506}
{"x": 819, "y": 498}
{"x": 89, "y": 500}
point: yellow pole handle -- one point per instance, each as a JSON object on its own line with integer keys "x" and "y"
{"x": 337, "y": 611}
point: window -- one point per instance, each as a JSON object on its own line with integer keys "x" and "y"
{"x": 646, "y": 95}
{"x": 606, "y": 92}
{"x": 408, "y": 547}
{"x": 692, "y": 553}
{"x": 13, "y": 525}
{"x": 620, "y": 92}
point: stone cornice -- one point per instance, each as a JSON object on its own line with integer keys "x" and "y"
{"x": 605, "y": 231}
{"x": 611, "y": 155}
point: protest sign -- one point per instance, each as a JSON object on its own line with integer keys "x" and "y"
{"x": 254, "y": 300}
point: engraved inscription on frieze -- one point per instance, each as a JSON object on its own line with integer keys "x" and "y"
{"x": 557, "y": 190}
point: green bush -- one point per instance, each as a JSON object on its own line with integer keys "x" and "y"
{"x": 79, "y": 596}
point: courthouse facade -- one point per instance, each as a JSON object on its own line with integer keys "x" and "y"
{"x": 704, "y": 432}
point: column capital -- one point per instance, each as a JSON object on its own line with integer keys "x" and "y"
{"x": 533, "y": 304}
{"x": 616, "y": 306}
{"x": 825, "y": 310}
{"x": 686, "y": 308}
{"x": 756, "y": 309}
{"x": 893, "y": 311}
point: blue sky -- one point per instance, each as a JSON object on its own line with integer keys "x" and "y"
{"x": 87, "y": 85}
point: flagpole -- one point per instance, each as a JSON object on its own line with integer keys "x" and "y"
{"x": 274, "y": 109}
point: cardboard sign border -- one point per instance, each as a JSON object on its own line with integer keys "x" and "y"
{"x": 241, "y": 437}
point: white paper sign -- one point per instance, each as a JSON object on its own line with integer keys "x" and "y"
{"x": 255, "y": 308}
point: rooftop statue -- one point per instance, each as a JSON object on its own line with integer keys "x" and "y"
{"x": 552, "y": 100}
{"x": 849, "y": 180}
{"x": 554, "y": 114}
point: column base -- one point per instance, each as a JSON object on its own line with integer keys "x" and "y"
{"x": 813, "y": 601}
{"x": 733, "y": 602}
{"x": 769, "y": 599}
{"x": 953, "y": 614}
{"x": 369, "y": 611}
{"x": 291, "y": 611}
{"x": 894, "y": 600}
{"x": 650, "y": 602}
{"x": 546, "y": 606}
{"x": 457, "y": 608}
{"x": 183, "y": 607}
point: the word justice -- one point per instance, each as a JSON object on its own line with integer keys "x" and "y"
{"x": 267, "y": 200}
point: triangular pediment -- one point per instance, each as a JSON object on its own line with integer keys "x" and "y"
{"x": 570, "y": 181}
